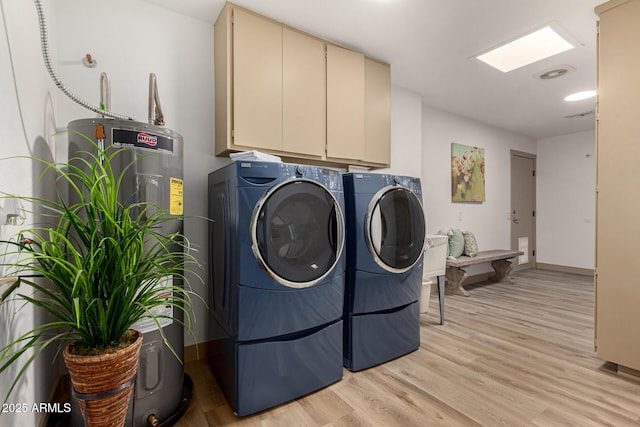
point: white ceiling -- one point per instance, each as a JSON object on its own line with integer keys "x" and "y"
{"x": 430, "y": 45}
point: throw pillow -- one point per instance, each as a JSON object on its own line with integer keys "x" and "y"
{"x": 470, "y": 244}
{"x": 456, "y": 242}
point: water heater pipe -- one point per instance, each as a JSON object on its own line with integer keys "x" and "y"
{"x": 105, "y": 93}
{"x": 47, "y": 62}
{"x": 156, "y": 117}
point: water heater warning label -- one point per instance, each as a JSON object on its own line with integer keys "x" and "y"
{"x": 163, "y": 313}
{"x": 176, "y": 197}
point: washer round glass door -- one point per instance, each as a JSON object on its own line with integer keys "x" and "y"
{"x": 395, "y": 229}
{"x": 297, "y": 232}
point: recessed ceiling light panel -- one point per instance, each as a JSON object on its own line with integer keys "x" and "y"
{"x": 530, "y": 48}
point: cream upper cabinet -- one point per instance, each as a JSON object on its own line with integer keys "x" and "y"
{"x": 303, "y": 94}
{"x": 617, "y": 151}
{"x": 358, "y": 108}
{"x": 270, "y": 86}
{"x": 223, "y": 68}
{"x": 377, "y": 112}
{"x": 285, "y": 92}
{"x": 345, "y": 104}
{"x": 257, "y": 82}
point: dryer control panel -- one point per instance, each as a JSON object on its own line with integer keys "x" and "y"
{"x": 411, "y": 183}
{"x": 372, "y": 182}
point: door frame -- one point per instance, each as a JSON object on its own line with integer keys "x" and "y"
{"x": 533, "y": 242}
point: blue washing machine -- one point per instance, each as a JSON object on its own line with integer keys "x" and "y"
{"x": 385, "y": 242}
{"x": 276, "y": 282}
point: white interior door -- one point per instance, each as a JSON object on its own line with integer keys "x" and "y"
{"x": 523, "y": 208}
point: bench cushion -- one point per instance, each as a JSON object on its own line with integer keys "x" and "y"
{"x": 470, "y": 244}
{"x": 456, "y": 242}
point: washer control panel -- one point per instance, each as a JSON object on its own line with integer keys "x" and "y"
{"x": 330, "y": 178}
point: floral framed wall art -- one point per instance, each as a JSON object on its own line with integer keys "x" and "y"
{"x": 467, "y": 173}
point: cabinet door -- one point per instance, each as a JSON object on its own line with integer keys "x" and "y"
{"x": 345, "y": 103}
{"x": 617, "y": 228}
{"x": 257, "y": 82}
{"x": 377, "y": 112}
{"x": 303, "y": 94}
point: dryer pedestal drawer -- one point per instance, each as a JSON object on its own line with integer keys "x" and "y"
{"x": 400, "y": 329}
{"x": 371, "y": 292}
{"x": 274, "y": 372}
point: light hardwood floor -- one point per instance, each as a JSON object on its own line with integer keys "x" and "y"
{"x": 508, "y": 355}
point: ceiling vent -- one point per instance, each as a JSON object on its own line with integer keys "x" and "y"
{"x": 584, "y": 114}
{"x": 554, "y": 73}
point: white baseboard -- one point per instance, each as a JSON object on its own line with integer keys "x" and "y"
{"x": 565, "y": 269}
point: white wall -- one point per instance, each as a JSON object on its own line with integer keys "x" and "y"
{"x": 489, "y": 221}
{"x": 26, "y": 126}
{"x": 566, "y": 200}
{"x": 406, "y": 133}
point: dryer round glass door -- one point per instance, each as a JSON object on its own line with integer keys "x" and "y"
{"x": 297, "y": 232}
{"x": 395, "y": 229}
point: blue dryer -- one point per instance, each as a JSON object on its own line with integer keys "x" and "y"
{"x": 385, "y": 242}
{"x": 277, "y": 271}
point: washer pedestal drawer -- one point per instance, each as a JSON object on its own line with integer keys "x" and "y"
{"x": 273, "y": 372}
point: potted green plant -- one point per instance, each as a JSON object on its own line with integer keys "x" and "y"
{"x": 106, "y": 265}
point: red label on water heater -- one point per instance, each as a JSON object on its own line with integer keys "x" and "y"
{"x": 150, "y": 140}
{"x": 136, "y": 139}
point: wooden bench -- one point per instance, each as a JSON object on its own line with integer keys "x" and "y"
{"x": 499, "y": 260}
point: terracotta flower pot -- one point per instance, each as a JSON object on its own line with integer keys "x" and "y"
{"x": 103, "y": 383}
